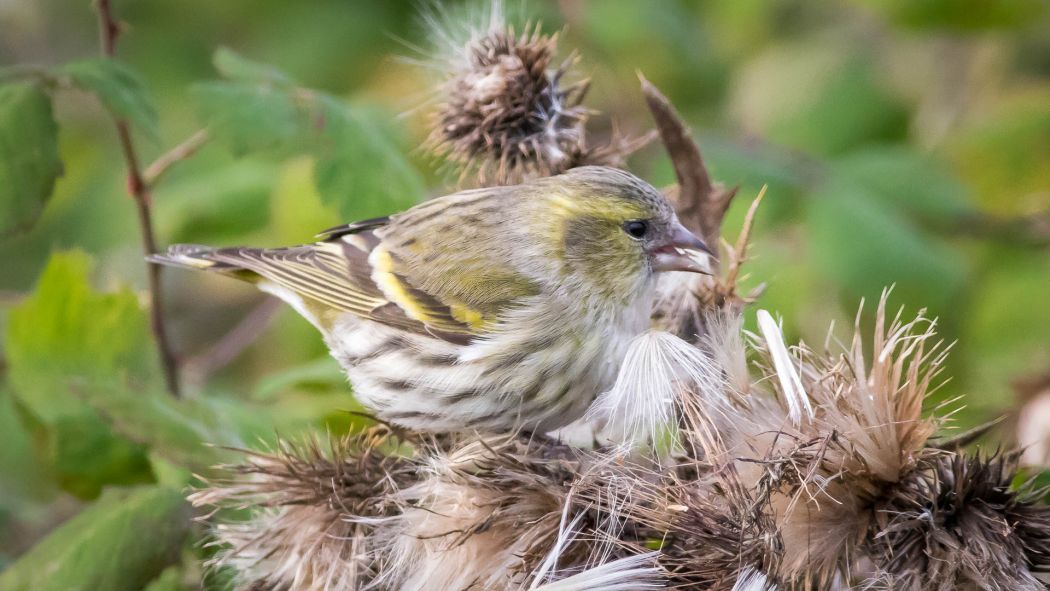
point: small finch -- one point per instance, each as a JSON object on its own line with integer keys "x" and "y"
{"x": 493, "y": 309}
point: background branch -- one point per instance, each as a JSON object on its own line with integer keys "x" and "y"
{"x": 109, "y": 30}
{"x": 187, "y": 148}
{"x": 199, "y": 367}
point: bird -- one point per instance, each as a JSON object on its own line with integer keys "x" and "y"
{"x": 498, "y": 309}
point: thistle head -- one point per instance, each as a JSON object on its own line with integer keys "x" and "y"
{"x": 505, "y": 112}
{"x": 957, "y": 521}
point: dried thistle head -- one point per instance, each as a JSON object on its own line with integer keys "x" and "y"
{"x": 812, "y": 467}
{"x": 482, "y": 516}
{"x": 956, "y": 522}
{"x": 865, "y": 432}
{"x": 714, "y": 534}
{"x": 816, "y": 435}
{"x": 640, "y": 406}
{"x": 630, "y": 573}
{"x": 709, "y": 528}
{"x": 309, "y": 512}
{"x": 505, "y": 112}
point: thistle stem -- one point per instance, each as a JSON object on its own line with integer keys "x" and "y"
{"x": 109, "y": 30}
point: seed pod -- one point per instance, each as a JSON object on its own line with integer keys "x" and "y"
{"x": 505, "y": 112}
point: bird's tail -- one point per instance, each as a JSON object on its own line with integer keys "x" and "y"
{"x": 196, "y": 256}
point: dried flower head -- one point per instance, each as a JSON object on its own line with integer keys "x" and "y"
{"x": 803, "y": 447}
{"x": 709, "y": 528}
{"x": 955, "y": 522}
{"x": 309, "y": 509}
{"x": 712, "y": 535}
{"x": 482, "y": 516}
{"x": 811, "y": 467}
{"x": 753, "y": 580}
{"x": 630, "y": 573}
{"x": 505, "y": 112}
{"x": 865, "y": 431}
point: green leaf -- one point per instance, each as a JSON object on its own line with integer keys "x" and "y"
{"x": 86, "y": 455}
{"x": 119, "y": 88}
{"x": 864, "y": 245}
{"x": 183, "y": 432}
{"x": 82, "y": 363}
{"x": 61, "y": 339}
{"x": 171, "y": 474}
{"x": 67, "y": 330}
{"x": 296, "y": 209}
{"x": 195, "y": 433}
{"x": 120, "y": 543}
{"x": 908, "y": 181}
{"x": 234, "y": 66}
{"x": 22, "y": 478}
{"x": 251, "y": 118}
{"x": 359, "y": 169}
{"x": 221, "y": 204}
{"x": 29, "y": 163}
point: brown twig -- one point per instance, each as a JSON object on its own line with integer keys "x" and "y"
{"x": 231, "y": 345}
{"x": 109, "y": 30}
{"x": 173, "y": 156}
{"x": 701, "y": 203}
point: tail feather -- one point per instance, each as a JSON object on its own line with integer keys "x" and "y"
{"x": 196, "y": 256}
{"x": 235, "y": 262}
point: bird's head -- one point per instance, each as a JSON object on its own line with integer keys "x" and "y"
{"x": 617, "y": 230}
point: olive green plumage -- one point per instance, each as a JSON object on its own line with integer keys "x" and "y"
{"x": 496, "y": 309}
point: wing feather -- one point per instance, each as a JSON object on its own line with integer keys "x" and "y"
{"x": 336, "y": 273}
{"x": 409, "y": 270}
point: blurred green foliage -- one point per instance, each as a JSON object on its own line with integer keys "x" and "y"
{"x": 904, "y": 142}
{"x": 28, "y": 174}
{"x": 107, "y": 545}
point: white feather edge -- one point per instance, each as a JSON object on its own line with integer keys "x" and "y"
{"x": 795, "y": 395}
{"x": 656, "y": 369}
{"x": 753, "y": 580}
{"x": 624, "y": 574}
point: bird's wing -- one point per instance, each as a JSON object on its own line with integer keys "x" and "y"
{"x": 380, "y": 272}
{"x": 456, "y": 259}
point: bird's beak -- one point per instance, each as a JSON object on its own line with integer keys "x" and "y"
{"x": 682, "y": 251}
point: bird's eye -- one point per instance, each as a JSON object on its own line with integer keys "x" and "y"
{"x": 636, "y": 228}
